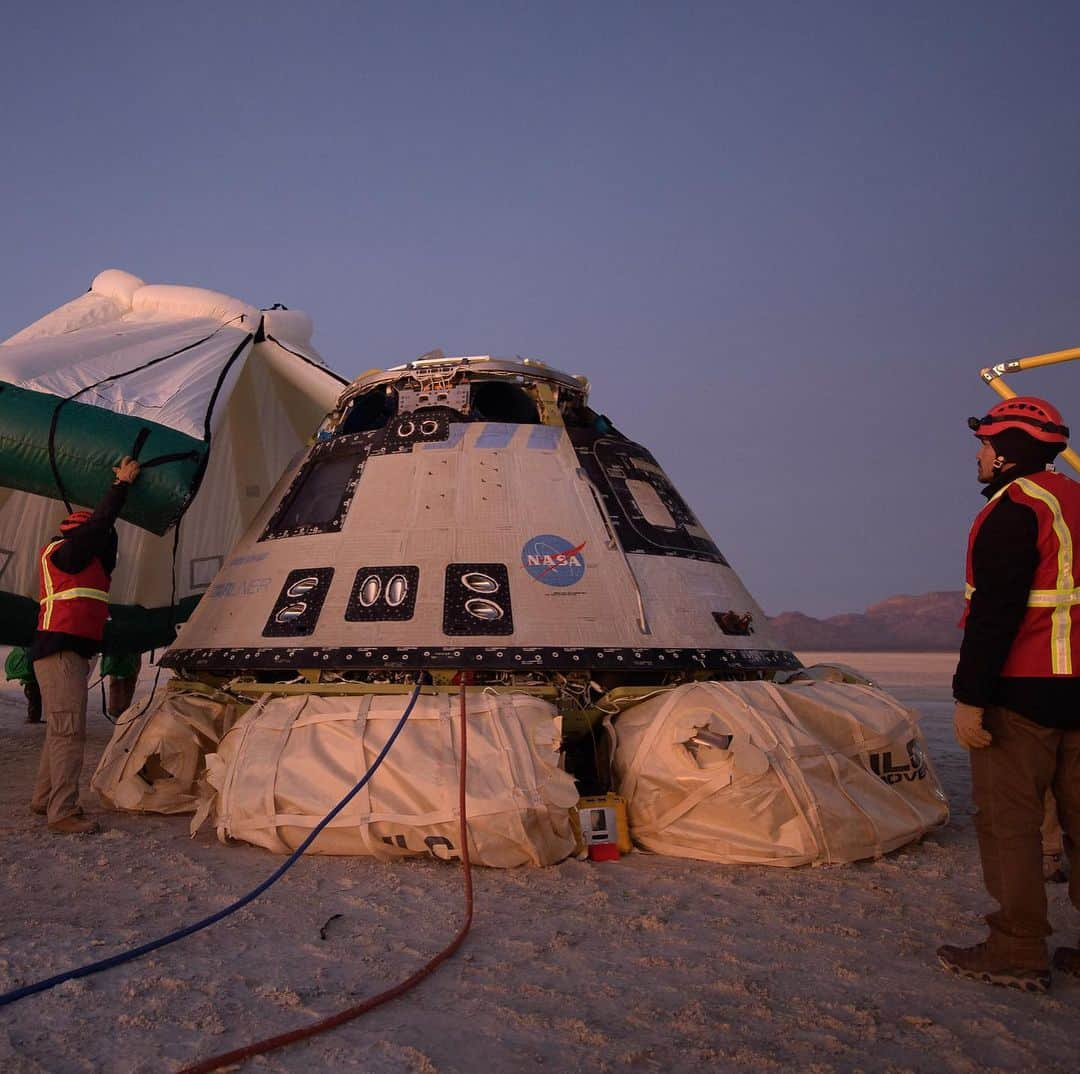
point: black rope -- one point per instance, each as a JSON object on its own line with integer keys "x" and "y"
{"x": 195, "y": 486}
{"x": 140, "y": 439}
{"x": 172, "y": 631}
{"x": 157, "y": 460}
{"x": 187, "y": 930}
{"x": 172, "y": 581}
{"x": 221, "y": 380}
{"x": 161, "y": 460}
{"x": 310, "y": 361}
{"x": 52, "y": 455}
{"x": 197, "y": 480}
{"x": 104, "y": 701}
{"x": 53, "y": 424}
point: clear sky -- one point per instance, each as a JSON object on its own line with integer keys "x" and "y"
{"x": 781, "y": 239}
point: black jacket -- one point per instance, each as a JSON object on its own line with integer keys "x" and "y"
{"x": 95, "y": 538}
{"x": 1004, "y": 560}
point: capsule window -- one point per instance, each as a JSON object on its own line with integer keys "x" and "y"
{"x": 368, "y": 412}
{"x": 496, "y": 400}
{"x": 479, "y": 582}
{"x": 477, "y": 599}
{"x": 317, "y": 501}
{"x": 487, "y": 610}
{"x": 291, "y": 617}
{"x": 383, "y": 594}
{"x": 651, "y": 506}
{"x": 370, "y": 591}
{"x": 397, "y": 591}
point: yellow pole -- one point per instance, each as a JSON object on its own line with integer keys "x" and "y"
{"x": 1033, "y": 362}
{"x": 1052, "y": 358}
{"x": 1002, "y": 388}
{"x": 996, "y": 382}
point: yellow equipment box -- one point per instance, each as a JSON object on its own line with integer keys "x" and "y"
{"x": 598, "y": 809}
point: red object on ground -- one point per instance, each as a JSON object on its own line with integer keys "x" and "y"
{"x": 603, "y": 852}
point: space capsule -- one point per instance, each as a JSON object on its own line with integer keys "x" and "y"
{"x": 474, "y": 520}
{"x": 476, "y": 513}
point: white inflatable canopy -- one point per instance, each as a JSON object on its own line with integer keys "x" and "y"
{"x": 244, "y": 382}
{"x": 123, "y": 328}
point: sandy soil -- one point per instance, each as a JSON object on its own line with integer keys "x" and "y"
{"x": 647, "y": 964}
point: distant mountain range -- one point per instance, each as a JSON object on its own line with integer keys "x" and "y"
{"x": 925, "y": 623}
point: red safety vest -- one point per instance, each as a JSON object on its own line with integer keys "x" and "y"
{"x": 73, "y": 603}
{"x": 1048, "y": 641}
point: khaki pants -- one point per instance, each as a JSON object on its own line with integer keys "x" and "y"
{"x": 1009, "y": 780}
{"x": 1052, "y": 842}
{"x": 62, "y": 678}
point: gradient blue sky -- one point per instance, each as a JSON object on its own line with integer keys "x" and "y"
{"x": 780, "y": 238}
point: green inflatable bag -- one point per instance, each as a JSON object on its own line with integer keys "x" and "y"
{"x": 87, "y": 442}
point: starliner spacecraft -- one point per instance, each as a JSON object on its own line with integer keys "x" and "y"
{"x": 475, "y": 513}
{"x": 474, "y": 521}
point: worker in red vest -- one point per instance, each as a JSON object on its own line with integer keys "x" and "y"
{"x": 76, "y": 570}
{"x": 1017, "y": 685}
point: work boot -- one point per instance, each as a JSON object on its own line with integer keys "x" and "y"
{"x": 1067, "y": 960}
{"x": 74, "y": 825}
{"x": 978, "y": 964}
{"x": 42, "y": 810}
{"x": 1054, "y": 869}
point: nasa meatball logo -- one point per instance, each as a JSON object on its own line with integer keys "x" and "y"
{"x": 554, "y": 560}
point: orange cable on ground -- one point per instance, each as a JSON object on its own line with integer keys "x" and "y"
{"x": 270, "y": 1044}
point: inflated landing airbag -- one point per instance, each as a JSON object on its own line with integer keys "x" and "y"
{"x": 761, "y": 774}
{"x": 288, "y": 760}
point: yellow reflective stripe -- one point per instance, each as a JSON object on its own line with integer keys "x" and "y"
{"x": 1050, "y": 598}
{"x": 71, "y": 594}
{"x": 1040, "y": 598}
{"x": 1061, "y": 617}
{"x": 46, "y": 580}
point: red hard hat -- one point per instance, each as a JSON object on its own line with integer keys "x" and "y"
{"x": 76, "y": 518}
{"x": 1036, "y": 417}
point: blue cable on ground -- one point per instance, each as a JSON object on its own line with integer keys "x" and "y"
{"x": 206, "y": 922}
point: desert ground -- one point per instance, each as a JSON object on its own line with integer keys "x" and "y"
{"x": 645, "y": 964}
